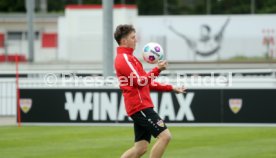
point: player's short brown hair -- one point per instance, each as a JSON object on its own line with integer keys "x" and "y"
{"x": 122, "y": 31}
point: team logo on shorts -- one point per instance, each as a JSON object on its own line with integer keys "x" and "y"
{"x": 160, "y": 123}
{"x": 25, "y": 105}
{"x": 235, "y": 105}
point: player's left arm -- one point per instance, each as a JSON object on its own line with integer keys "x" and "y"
{"x": 156, "y": 86}
{"x": 181, "y": 89}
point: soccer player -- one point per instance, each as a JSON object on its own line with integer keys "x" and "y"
{"x": 136, "y": 84}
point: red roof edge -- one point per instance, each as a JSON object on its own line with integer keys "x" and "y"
{"x": 95, "y": 6}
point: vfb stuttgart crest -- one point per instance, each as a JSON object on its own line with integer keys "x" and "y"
{"x": 160, "y": 123}
{"x": 235, "y": 105}
{"x": 25, "y": 104}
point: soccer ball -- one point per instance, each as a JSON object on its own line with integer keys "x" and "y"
{"x": 152, "y": 53}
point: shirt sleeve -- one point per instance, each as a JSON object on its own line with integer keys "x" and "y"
{"x": 156, "y": 86}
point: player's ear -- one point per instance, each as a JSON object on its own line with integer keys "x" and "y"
{"x": 123, "y": 41}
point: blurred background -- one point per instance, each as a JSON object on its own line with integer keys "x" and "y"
{"x": 60, "y": 42}
{"x": 243, "y": 31}
{"x": 57, "y": 80}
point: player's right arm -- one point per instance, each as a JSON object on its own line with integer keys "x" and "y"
{"x": 126, "y": 66}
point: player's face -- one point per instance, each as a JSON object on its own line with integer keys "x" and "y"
{"x": 130, "y": 40}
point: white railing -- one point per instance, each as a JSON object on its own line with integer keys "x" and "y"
{"x": 7, "y": 97}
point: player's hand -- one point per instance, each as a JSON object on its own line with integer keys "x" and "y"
{"x": 162, "y": 65}
{"x": 178, "y": 90}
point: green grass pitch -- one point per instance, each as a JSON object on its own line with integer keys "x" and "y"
{"x": 111, "y": 142}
